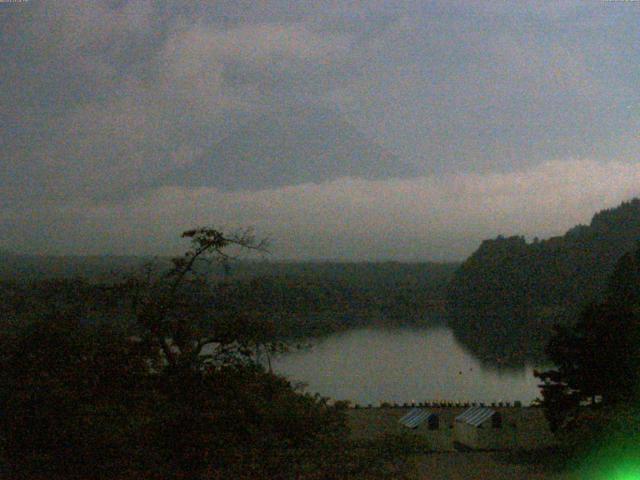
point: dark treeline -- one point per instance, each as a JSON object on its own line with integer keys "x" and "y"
{"x": 299, "y": 299}
{"x": 505, "y": 298}
{"x": 313, "y": 299}
{"x": 23, "y": 267}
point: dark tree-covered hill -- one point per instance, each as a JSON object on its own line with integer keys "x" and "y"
{"x": 505, "y": 297}
{"x": 301, "y": 298}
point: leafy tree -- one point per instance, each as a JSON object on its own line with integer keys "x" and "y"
{"x": 598, "y": 360}
{"x": 623, "y": 288}
{"x": 168, "y": 389}
{"x": 171, "y": 309}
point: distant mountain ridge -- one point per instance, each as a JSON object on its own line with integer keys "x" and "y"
{"x": 511, "y": 292}
{"x": 289, "y": 146}
{"x": 18, "y": 266}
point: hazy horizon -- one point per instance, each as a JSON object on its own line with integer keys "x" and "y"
{"x": 271, "y": 255}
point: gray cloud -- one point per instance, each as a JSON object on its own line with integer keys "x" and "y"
{"x": 103, "y": 101}
{"x": 432, "y": 217}
{"x": 500, "y": 92}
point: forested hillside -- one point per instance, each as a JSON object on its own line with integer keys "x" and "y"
{"x": 310, "y": 299}
{"x": 503, "y": 299}
{"x": 20, "y": 267}
{"x": 298, "y": 298}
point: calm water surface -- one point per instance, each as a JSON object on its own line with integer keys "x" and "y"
{"x": 372, "y": 365}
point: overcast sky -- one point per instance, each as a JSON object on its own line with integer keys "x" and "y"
{"x": 482, "y": 118}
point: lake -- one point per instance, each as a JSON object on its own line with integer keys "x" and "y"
{"x": 373, "y": 365}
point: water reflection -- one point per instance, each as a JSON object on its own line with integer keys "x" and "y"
{"x": 372, "y": 365}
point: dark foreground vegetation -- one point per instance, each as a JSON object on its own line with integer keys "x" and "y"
{"x": 511, "y": 293}
{"x": 592, "y": 395}
{"x": 173, "y": 389}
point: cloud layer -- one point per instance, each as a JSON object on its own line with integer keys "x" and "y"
{"x": 495, "y": 108}
{"x": 438, "y": 218}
